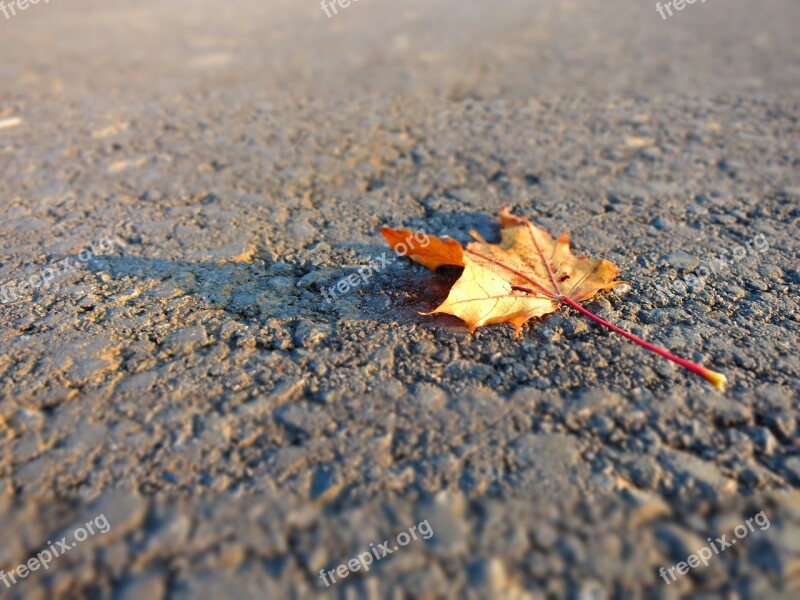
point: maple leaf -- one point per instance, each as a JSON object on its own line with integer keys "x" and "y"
{"x": 529, "y": 274}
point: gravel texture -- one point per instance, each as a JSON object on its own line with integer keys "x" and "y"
{"x": 192, "y": 178}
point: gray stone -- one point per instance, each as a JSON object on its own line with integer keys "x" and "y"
{"x": 309, "y": 335}
{"x": 446, "y": 517}
{"x": 763, "y": 439}
{"x": 681, "y": 260}
{"x": 142, "y": 587}
{"x": 186, "y": 339}
{"x": 302, "y": 418}
{"x": 124, "y": 512}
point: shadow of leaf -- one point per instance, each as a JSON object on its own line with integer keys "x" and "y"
{"x": 243, "y": 289}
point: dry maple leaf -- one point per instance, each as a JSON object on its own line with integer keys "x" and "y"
{"x": 529, "y": 274}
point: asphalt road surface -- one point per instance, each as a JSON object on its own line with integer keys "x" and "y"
{"x": 183, "y": 414}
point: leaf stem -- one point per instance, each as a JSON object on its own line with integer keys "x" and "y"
{"x": 716, "y": 379}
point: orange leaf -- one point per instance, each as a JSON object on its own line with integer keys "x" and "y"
{"x": 529, "y": 274}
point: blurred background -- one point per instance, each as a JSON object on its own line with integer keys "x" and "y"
{"x": 455, "y": 48}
